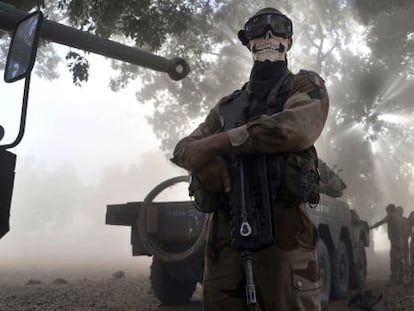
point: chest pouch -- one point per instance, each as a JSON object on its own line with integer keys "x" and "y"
{"x": 300, "y": 177}
{"x": 297, "y": 171}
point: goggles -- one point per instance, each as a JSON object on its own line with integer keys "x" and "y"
{"x": 278, "y": 24}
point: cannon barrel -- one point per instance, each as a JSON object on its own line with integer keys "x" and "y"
{"x": 177, "y": 68}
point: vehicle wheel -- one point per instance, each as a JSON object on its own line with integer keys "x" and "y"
{"x": 359, "y": 275}
{"x": 325, "y": 268}
{"x": 169, "y": 291}
{"x": 340, "y": 271}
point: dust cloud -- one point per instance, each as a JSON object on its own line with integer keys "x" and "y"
{"x": 83, "y": 148}
{"x": 58, "y": 223}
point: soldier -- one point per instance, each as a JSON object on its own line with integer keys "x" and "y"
{"x": 411, "y": 224}
{"x": 280, "y": 125}
{"x": 395, "y": 234}
{"x": 406, "y": 232}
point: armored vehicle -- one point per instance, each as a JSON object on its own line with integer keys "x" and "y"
{"x": 173, "y": 233}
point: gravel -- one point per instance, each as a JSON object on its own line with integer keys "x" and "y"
{"x": 113, "y": 290}
{"x": 105, "y": 292}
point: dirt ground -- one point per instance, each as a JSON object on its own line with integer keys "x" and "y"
{"x": 93, "y": 289}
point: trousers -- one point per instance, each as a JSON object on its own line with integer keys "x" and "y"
{"x": 284, "y": 280}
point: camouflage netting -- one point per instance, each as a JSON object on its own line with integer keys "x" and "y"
{"x": 330, "y": 183}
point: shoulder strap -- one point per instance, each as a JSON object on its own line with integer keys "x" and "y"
{"x": 232, "y": 110}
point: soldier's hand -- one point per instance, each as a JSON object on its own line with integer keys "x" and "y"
{"x": 215, "y": 176}
{"x": 200, "y": 152}
{"x": 197, "y": 154}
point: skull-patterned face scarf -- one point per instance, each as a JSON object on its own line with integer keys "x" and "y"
{"x": 269, "y": 55}
{"x": 264, "y": 76}
{"x": 269, "y": 47}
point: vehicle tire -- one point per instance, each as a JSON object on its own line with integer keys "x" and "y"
{"x": 168, "y": 290}
{"x": 325, "y": 270}
{"x": 340, "y": 269}
{"x": 359, "y": 269}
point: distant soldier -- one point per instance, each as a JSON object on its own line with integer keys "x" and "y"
{"x": 395, "y": 234}
{"x": 411, "y": 222}
{"x": 406, "y": 232}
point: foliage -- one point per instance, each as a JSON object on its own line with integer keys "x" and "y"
{"x": 391, "y": 35}
{"x": 47, "y": 59}
{"x": 25, "y": 5}
{"x": 205, "y": 33}
{"x": 79, "y": 66}
{"x": 363, "y": 49}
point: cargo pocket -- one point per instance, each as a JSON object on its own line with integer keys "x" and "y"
{"x": 306, "y": 275}
{"x": 307, "y": 285}
{"x": 301, "y": 178}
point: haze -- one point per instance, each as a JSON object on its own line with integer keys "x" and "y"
{"x": 87, "y": 147}
{"x": 83, "y": 148}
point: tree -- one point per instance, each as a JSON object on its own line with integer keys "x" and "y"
{"x": 362, "y": 48}
{"x": 377, "y": 92}
{"x": 205, "y": 33}
{"x": 47, "y": 58}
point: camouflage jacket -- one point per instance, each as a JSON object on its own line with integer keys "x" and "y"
{"x": 295, "y": 128}
{"x": 396, "y": 226}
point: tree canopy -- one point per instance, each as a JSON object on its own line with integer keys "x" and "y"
{"x": 362, "y": 48}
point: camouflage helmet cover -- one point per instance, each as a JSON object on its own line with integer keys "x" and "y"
{"x": 267, "y": 10}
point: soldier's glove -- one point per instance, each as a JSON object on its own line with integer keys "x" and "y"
{"x": 201, "y": 152}
{"x": 215, "y": 176}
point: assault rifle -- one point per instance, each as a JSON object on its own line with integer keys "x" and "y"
{"x": 252, "y": 197}
{"x": 251, "y": 211}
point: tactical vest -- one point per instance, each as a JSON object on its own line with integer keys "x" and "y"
{"x": 294, "y": 174}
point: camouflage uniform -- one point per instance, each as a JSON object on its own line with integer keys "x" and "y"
{"x": 395, "y": 228}
{"x": 411, "y": 226}
{"x": 406, "y": 250}
{"x": 286, "y": 273}
{"x": 412, "y": 256}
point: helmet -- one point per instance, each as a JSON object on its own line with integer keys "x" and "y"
{"x": 391, "y": 208}
{"x": 264, "y": 20}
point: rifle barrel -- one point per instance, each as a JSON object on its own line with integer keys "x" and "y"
{"x": 177, "y": 68}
